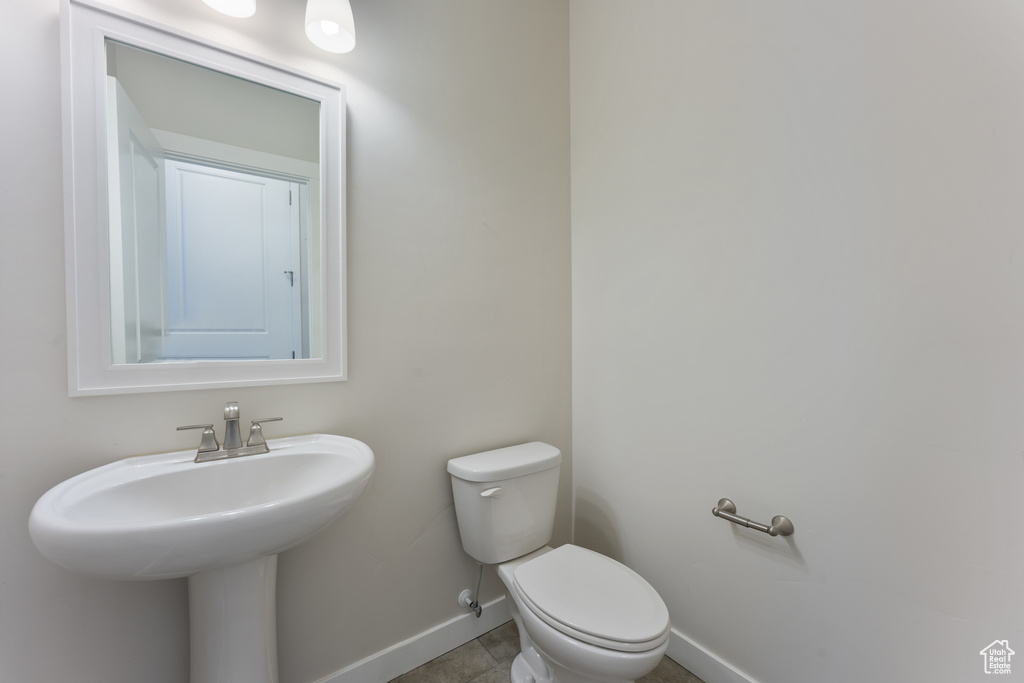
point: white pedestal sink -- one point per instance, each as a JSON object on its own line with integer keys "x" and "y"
{"x": 219, "y": 523}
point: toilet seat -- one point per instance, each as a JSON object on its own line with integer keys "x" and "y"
{"x": 594, "y": 599}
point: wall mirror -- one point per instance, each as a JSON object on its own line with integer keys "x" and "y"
{"x": 204, "y": 212}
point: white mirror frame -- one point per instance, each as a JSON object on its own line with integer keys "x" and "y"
{"x": 85, "y": 26}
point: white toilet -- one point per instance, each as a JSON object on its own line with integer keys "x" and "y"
{"x": 582, "y": 617}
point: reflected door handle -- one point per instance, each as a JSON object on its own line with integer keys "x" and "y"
{"x": 291, "y": 277}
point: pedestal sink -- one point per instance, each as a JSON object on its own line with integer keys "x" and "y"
{"x": 219, "y": 523}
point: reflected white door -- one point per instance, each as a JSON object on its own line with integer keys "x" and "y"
{"x": 232, "y": 265}
{"x": 135, "y": 175}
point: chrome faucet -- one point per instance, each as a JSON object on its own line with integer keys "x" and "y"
{"x": 232, "y": 436}
{"x": 209, "y": 449}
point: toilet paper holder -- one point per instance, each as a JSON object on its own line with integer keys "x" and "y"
{"x": 780, "y": 526}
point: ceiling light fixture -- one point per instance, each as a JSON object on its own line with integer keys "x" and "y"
{"x": 329, "y": 25}
{"x": 234, "y": 8}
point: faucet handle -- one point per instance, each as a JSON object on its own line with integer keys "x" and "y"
{"x": 209, "y": 441}
{"x": 256, "y": 431}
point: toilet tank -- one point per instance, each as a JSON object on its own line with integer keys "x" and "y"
{"x": 505, "y": 500}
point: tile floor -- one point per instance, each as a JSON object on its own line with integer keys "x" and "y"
{"x": 488, "y": 659}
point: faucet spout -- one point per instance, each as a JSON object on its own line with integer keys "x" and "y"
{"x": 232, "y": 434}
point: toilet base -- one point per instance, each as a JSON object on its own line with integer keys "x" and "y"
{"x": 522, "y": 673}
{"x": 561, "y": 674}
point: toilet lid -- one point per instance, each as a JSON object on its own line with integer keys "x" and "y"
{"x": 594, "y": 595}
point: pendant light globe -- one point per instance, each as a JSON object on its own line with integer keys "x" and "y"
{"x": 329, "y": 25}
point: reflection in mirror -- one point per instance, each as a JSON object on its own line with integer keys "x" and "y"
{"x": 204, "y": 201}
{"x": 213, "y": 182}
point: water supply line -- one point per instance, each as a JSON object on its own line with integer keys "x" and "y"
{"x": 466, "y": 599}
{"x": 477, "y": 609}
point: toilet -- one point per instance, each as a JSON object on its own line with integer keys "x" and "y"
{"x": 582, "y": 617}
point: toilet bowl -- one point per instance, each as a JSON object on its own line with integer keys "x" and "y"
{"x": 582, "y": 616}
{"x": 588, "y": 617}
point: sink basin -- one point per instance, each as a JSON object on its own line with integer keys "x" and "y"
{"x": 165, "y": 516}
{"x": 220, "y": 523}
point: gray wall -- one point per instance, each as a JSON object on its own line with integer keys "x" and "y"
{"x": 459, "y": 323}
{"x": 798, "y": 282}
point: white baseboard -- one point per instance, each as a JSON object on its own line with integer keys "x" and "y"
{"x": 703, "y": 663}
{"x": 403, "y": 657}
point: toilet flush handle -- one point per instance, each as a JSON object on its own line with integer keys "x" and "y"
{"x": 491, "y": 493}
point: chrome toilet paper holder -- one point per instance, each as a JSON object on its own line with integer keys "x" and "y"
{"x": 780, "y": 526}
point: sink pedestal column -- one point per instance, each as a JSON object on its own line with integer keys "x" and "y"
{"x": 233, "y": 620}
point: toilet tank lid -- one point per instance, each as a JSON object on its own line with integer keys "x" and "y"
{"x": 506, "y": 463}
